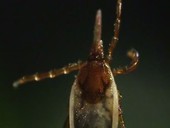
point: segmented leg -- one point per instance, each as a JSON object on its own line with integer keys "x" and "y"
{"x": 51, "y": 74}
{"x": 134, "y": 56}
{"x": 115, "y": 38}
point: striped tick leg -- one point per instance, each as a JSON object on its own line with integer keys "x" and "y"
{"x": 51, "y": 74}
{"x": 115, "y": 37}
{"x": 134, "y": 56}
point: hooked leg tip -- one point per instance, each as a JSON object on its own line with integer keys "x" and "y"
{"x": 16, "y": 84}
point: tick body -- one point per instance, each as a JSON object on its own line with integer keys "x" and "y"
{"x": 94, "y": 97}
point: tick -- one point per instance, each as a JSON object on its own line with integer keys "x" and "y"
{"x": 94, "y": 97}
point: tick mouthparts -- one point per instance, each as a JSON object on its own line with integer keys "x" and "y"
{"x": 97, "y": 46}
{"x": 98, "y": 27}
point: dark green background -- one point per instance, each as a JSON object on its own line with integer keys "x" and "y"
{"x": 37, "y": 36}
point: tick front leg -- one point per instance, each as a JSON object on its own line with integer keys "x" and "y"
{"x": 134, "y": 56}
{"x": 51, "y": 74}
{"x": 115, "y": 37}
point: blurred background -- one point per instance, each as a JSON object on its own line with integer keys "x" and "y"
{"x": 36, "y": 36}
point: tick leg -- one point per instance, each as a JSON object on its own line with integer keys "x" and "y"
{"x": 122, "y": 123}
{"x": 51, "y": 74}
{"x": 134, "y": 56}
{"x": 115, "y": 37}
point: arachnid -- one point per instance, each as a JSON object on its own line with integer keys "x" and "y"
{"x": 94, "y": 98}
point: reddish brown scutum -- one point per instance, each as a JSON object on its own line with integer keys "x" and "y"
{"x": 93, "y": 80}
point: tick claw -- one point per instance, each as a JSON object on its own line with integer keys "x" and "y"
{"x": 16, "y": 84}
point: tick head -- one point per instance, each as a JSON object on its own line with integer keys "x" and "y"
{"x": 96, "y": 52}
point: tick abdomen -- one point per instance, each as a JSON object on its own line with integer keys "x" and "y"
{"x": 93, "y": 115}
